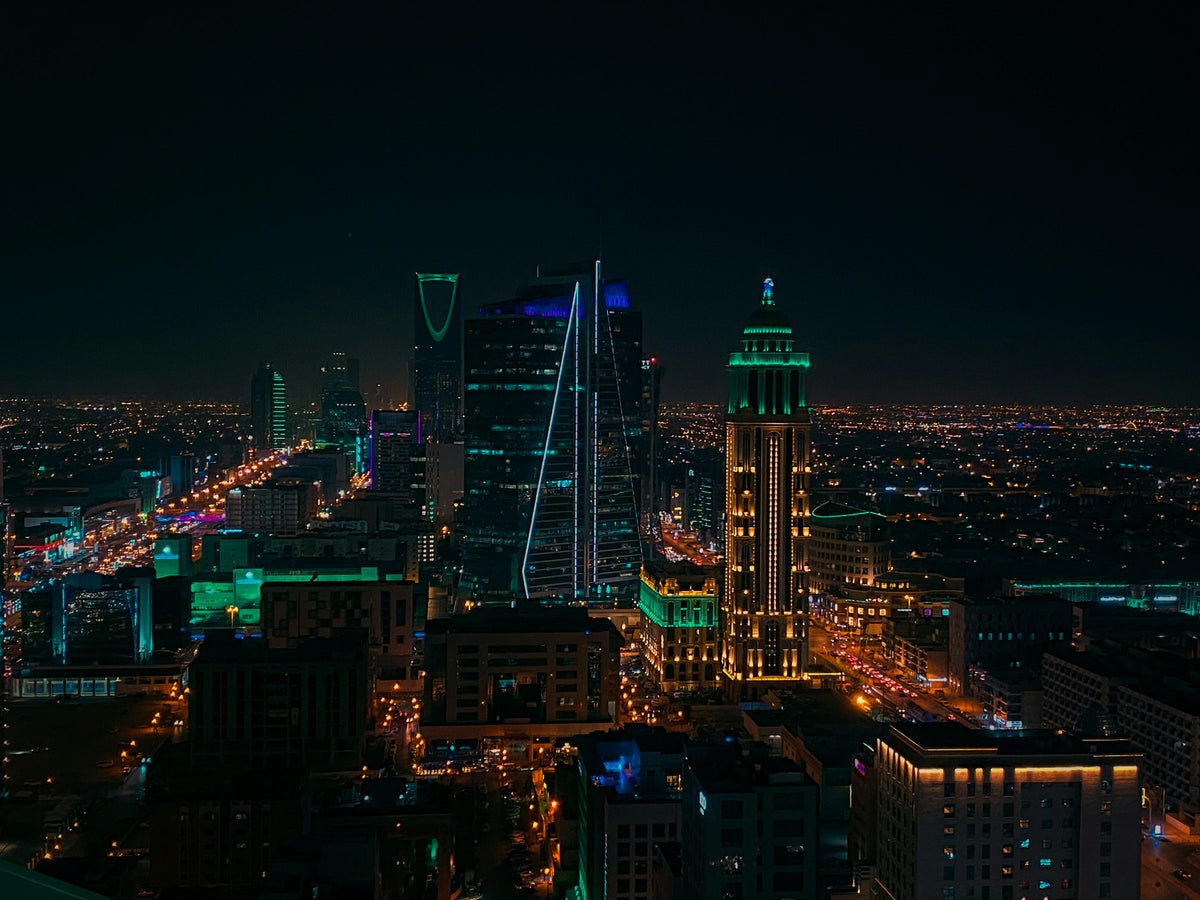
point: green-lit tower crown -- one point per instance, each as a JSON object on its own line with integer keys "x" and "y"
{"x": 767, "y": 455}
{"x": 767, "y": 376}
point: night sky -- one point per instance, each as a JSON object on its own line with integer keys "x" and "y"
{"x": 958, "y": 204}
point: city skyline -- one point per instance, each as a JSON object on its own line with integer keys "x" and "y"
{"x": 969, "y": 206}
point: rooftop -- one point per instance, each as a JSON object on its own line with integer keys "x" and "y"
{"x": 933, "y": 741}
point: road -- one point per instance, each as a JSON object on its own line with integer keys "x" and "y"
{"x": 890, "y": 694}
{"x": 110, "y": 545}
{"x": 1162, "y": 857}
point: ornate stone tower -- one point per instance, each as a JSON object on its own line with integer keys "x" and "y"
{"x": 768, "y": 426}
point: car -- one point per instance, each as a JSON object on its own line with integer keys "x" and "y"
{"x": 1180, "y": 873}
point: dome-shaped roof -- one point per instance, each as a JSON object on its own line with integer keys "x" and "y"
{"x": 768, "y": 318}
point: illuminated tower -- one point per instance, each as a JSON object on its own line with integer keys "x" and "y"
{"x": 437, "y": 359}
{"x": 552, "y": 419}
{"x": 768, "y": 426}
{"x": 268, "y": 410}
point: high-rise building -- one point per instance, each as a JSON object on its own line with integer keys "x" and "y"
{"x": 749, "y": 825}
{"x": 343, "y": 422}
{"x": 768, "y": 426}
{"x": 278, "y": 507}
{"x": 629, "y": 788}
{"x": 652, "y": 377}
{"x": 998, "y": 634}
{"x": 303, "y": 705}
{"x": 398, "y": 458}
{"x": 268, "y": 410}
{"x": 342, "y": 372}
{"x": 552, "y": 393}
{"x": 965, "y": 813}
{"x": 437, "y": 362}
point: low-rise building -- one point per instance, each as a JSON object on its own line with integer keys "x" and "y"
{"x": 521, "y": 676}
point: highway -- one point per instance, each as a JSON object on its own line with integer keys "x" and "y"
{"x": 113, "y": 544}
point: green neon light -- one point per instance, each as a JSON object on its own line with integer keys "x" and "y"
{"x": 862, "y": 512}
{"x": 1041, "y": 586}
{"x": 767, "y": 329}
{"x": 654, "y": 606}
{"x": 438, "y": 333}
{"x": 769, "y": 359}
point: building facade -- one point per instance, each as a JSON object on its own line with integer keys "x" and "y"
{"x": 973, "y": 815}
{"x": 398, "y": 458}
{"x": 630, "y": 787}
{"x": 268, "y": 410}
{"x": 750, "y": 826}
{"x": 552, "y": 394}
{"x": 251, "y": 705}
{"x": 680, "y": 603}
{"x": 768, "y": 428}
{"x": 272, "y": 508}
{"x": 293, "y": 612}
{"x": 847, "y": 546}
{"x": 539, "y": 673}
{"x": 1003, "y": 633}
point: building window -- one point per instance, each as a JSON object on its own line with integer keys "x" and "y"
{"x": 948, "y": 852}
{"x": 948, "y": 810}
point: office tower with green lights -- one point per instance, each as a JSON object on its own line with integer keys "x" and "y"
{"x": 268, "y": 410}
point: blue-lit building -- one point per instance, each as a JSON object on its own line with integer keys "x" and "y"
{"x": 630, "y": 788}
{"x": 553, "y": 392}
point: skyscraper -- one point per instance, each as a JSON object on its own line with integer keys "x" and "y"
{"x": 552, "y": 412}
{"x": 343, "y": 424}
{"x": 437, "y": 363}
{"x": 768, "y": 427}
{"x": 268, "y": 409}
{"x": 398, "y": 457}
